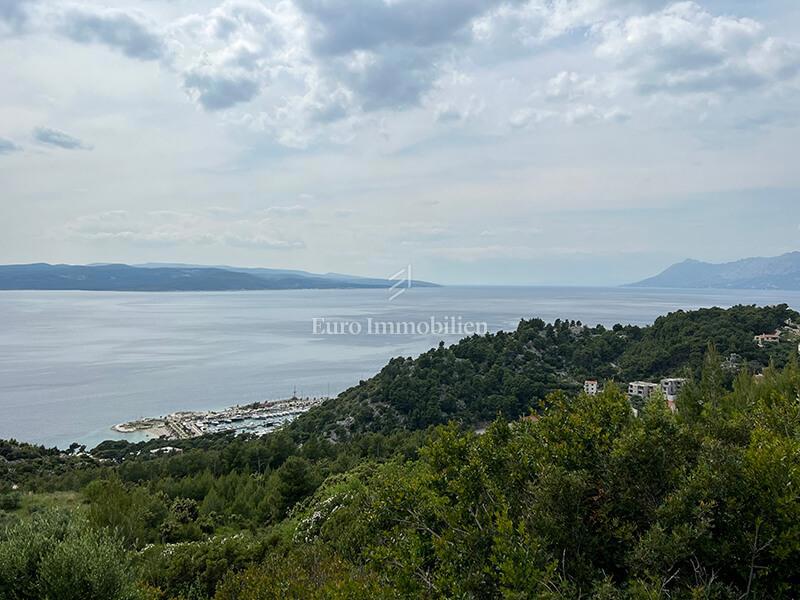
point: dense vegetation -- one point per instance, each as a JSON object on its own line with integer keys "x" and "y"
{"x": 388, "y": 492}
{"x": 510, "y": 373}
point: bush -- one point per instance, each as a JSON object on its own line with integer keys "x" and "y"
{"x": 56, "y": 555}
{"x": 10, "y": 501}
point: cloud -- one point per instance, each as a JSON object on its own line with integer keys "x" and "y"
{"x": 343, "y": 26}
{"x": 505, "y": 252}
{"x": 506, "y": 232}
{"x": 684, "y": 49}
{"x": 516, "y": 25}
{"x": 524, "y": 117}
{"x": 167, "y": 227}
{"x": 589, "y": 113}
{"x": 413, "y": 233}
{"x": 470, "y": 254}
{"x": 569, "y": 86}
{"x": 218, "y": 91}
{"x": 266, "y": 242}
{"x": 394, "y": 78}
{"x": 388, "y": 54}
{"x": 7, "y": 146}
{"x": 305, "y": 71}
{"x": 228, "y": 56}
{"x": 14, "y": 14}
{"x": 459, "y": 111}
{"x": 118, "y": 30}
{"x": 286, "y": 211}
{"x": 54, "y": 137}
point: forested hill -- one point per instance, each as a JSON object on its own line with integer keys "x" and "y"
{"x": 360, "y": 499}
{"x": 511, "y": 373}
{"x": 175, "y": 278}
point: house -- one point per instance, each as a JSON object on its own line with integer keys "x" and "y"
{"x": 643, "y": 389}
{"x": 767, "y": 338}
{"x": 166, "y": 450}
{"x": 590, "y": 387}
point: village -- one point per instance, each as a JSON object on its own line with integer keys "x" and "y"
{"x": 670, "y": 387}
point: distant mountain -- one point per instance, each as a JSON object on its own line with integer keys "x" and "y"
{"x": 778, "y": 273}
{"x": 174, "y": 277}
{"x": 342, "y": 280}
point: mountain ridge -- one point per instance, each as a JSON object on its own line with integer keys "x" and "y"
{"x": 174, "y": 278}
{"x": 777, "y": 273}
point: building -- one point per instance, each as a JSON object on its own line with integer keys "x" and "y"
{"x": 672, "y": 387}
{"x": 590, "y": 387}
{"x": 643, "y": 389}
{"x": 767, "y": 338}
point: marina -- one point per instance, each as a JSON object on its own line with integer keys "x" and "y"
{"x": 257, "y": 418}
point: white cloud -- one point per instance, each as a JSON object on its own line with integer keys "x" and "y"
{"x": 129, "y": 33}
{"x": 7, "y": 146}
{"x": 460, "y": 110}
{"x": 473, "y": 115}
{"x": 217, "y": 91}
{"x": 588, "y": 113}
{"x": 533, "y": 23}
{"x": 231, "y": 55}
{"x": 302, "y": 71}
{"x": 59, "y": 139}
{"x": 14, "y": 15}
{"x": 287, "y": 211}
{"x": 685, "y": 49}
{"x": 527, "y": 116}
{"x": 570, "y": 86}
{"x": 179, "y": 228}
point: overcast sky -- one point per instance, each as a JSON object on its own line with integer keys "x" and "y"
{"x": 522, "y": 142}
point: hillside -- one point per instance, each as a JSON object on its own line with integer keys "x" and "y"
{"x": 779, "y": 272}
{"x": 587, "y": 500}
{"x": 511, "y": 373}
{"x": 171, "y": 278}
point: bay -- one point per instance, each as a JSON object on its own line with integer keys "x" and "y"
{"x": 72, "y": 364}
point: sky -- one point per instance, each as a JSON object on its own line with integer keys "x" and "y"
{"x": 557, "y": 142}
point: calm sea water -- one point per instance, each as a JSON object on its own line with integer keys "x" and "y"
{"x": 72, "y": 364}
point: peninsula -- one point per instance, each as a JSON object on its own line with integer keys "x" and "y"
{"x": 179, "y": 278}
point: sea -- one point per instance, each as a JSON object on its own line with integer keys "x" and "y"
{"x": 73, "y": 364}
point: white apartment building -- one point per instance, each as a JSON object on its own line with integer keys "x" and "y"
{"x": 672, "y": 387}
{"x": 643, "y": 389}
{"x": 590, "y": 387}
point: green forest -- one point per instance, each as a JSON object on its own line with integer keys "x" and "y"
{"x": 425, "y": 481}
